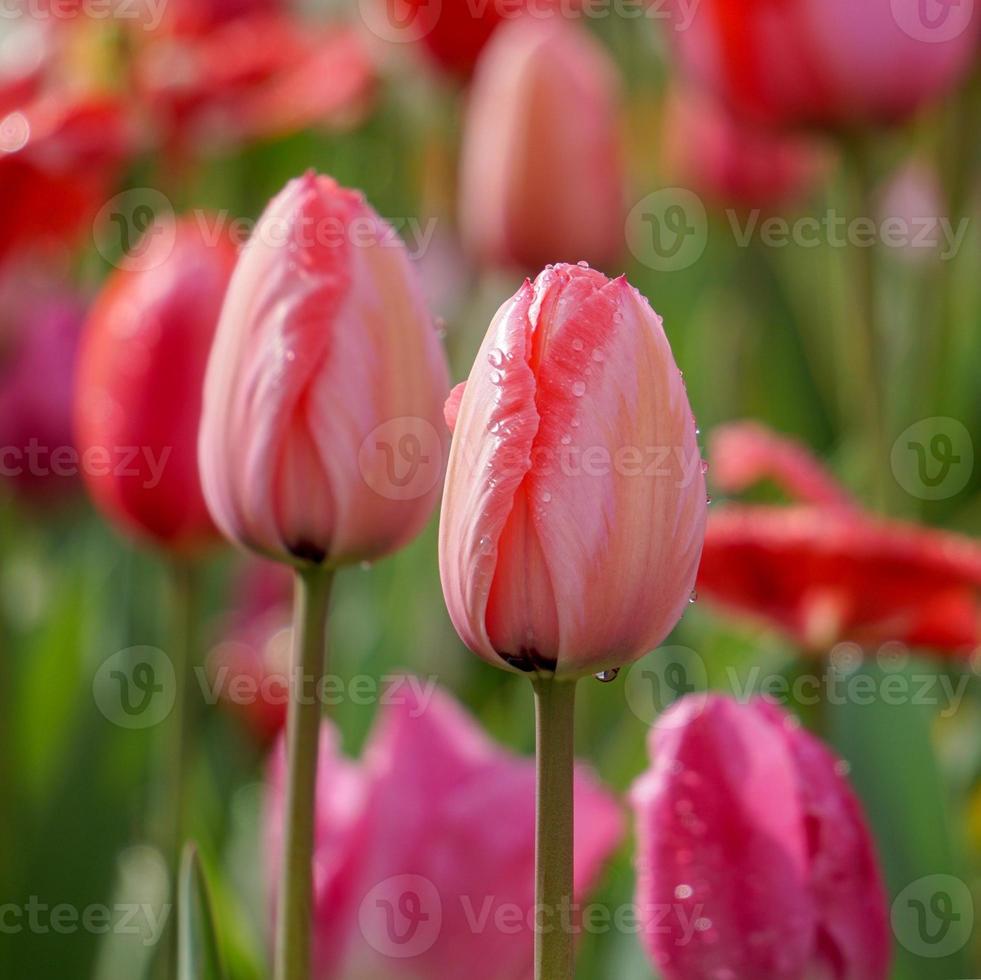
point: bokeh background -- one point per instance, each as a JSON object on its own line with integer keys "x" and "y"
{"x": 766, "y": 331}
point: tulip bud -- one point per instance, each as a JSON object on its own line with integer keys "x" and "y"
{"x": 541, "y": 176}
{"x": 319, "y": 440}
{"x": 824, "y": 62}
{"x": 140, "y": 376}
{"x": 750, "y": 836}
{"x": 574, "y": 507}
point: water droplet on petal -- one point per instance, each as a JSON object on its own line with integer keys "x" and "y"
{"x": 495, "y": 357}
{"x": 546, "y": 497}
{"x": 598, "y": 355}
{"x": 579, "y": 388}
{"x": 607, "y": 676}
{"x": 577, "y": 344}
{"x": 683, "y": 891}
{"x": 496, "y": 377}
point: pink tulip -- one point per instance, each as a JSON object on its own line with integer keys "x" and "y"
{"x": 575, "y": 507}
{"x": 320, "y": 438}
{"x": 733, "y": 163}
{"x": 749, "y": 835}
{"x": 139, "y": 380}
{"x": 826, "y": 62}
{"x": 541, "y": 177}
{"x": 424, "y": 861}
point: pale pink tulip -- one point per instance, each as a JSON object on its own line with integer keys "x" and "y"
{"x": 575, "y": 507}
{"x": 541, "y": 176}
{"x": 424, "y": 861}
{"x": 321, "y": 439}
{"x": 754, "y": 857}
{"x": 826, "y": 62}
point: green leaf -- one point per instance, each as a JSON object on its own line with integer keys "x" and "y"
{"x": 198, "y": 956}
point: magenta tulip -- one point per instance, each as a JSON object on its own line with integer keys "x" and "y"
{"x": 575, "y": 507}
{"x": 749, "y": 835}
{"x": 541, "y": 176}
{"x": 825, "y": 62}
{"x": 321, "y": 439}
{"x": 425, "y": 850}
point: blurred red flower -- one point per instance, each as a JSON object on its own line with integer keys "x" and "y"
{"x": 254, "y": 77}
{"x": 824, "y": 571}
{"x": 59, "y": 160}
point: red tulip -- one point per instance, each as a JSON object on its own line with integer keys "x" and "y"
{"x": 424, "y": 851}
{"x": 58, "y": 162}
{"x": 825, "y": 62}
{"x": 751, "y": 839}
{"x": 141, "y": 370}
{"x": 733, "y": 163}
{"x": 40, "y": 323}
{"x": 574, "y": 506}
{"x": 254, "y": 77}
{"x": 319, "y": 440}
{"x": 826, "y": 572}
{"x": 541, "y": 176}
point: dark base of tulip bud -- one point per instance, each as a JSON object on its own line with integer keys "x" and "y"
{"x": 530, "y": 661}
{"x": 307, "y": 551}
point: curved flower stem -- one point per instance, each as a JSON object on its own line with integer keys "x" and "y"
{"x": 312, "y": 599}
{"x": 554, "y": 743}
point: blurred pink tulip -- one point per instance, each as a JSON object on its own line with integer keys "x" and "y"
{"x": 424, "y": 861}
{"x": 139, "y": 382}
{"x": 825, "y": 62}
{"x": 321, "y": 432}
{"x": 733, "y": 163}
{"x": 541, "y": 176}
{"x": 40, "y": 323}
{"x": 575, "y": 506}
{"x": 249, "y": 668}
{"x": 749, "y": 834}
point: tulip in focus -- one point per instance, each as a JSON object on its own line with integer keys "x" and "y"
{"x": 824, "y": 571}
{"x": 824, "y": 62}
{"x": 749, "y": 833}
{"x": 733, "y": 163}
{"x": 575, "y": 504}
{"x": 139, "y": 383}
{"x": 438, "y": 820}
{"x": 541, "y": 176}
{"x": 319, "y": 441}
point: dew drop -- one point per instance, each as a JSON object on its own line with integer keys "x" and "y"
{"x": 495, "y": 357}
{"x": 608, "y": 676}
{"x": 598, "y": 355}
{"x": 692, "y": 597}
{"x": 577, "y": 344}
{"x": 365, "y": 566}
{"x": 496, "y": 377}
{"x": 703, "y": 923}
{"x": 683, "y": 891}
{"x": 579, "y": 388}
{"x": 546, "y": 497}
{"x": 843, "y": 768}
{"x": 485, "y": 544}
{"x": 583, "y": 264}
{"x": 566, "y": 439}
{"x": 494, "y": 426}
{"x": 704, "y": 466}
